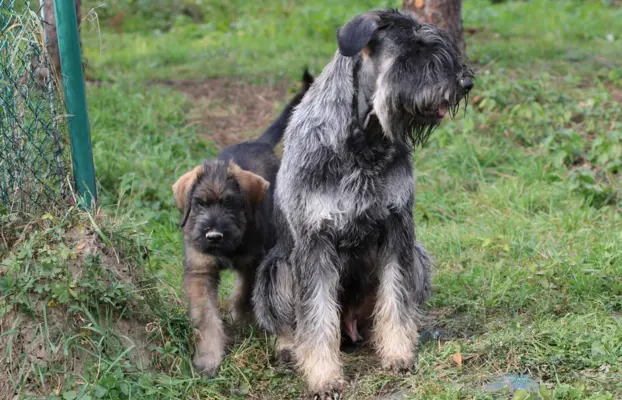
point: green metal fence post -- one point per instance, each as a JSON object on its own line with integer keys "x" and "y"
{"x": 75, "y": 100}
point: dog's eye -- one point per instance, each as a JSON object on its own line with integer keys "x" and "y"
{"x": 201, "y": 203}
{"x": 228, "y": 202}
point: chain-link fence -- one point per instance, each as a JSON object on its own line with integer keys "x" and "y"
{"x": 34, "y": 164}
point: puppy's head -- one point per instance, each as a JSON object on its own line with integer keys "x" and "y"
{"x": 217, "y": 200}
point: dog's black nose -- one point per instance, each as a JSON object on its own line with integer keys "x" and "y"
{"x": 213, "y": 237}
{"x": 466, "y": 84}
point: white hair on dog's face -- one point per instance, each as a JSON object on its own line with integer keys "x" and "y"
{"x": 382, "y": 98}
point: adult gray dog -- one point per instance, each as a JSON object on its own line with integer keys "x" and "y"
{"x": 344, "y": 196}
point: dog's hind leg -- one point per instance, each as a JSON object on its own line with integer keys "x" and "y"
{"x": 273, "y": 299}
{"x": 241, "y": 304}
{"x": 317, "y": 339}
{"x": 422, "y": 272}
{"x": 404, "y": 279}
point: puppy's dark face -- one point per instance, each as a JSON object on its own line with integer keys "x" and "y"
{"x": 218, "y": 201}
{"x": 218, "y": 211}
{"x": 411, "y": 73}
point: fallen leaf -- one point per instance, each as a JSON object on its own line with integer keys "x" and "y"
{"x": 419, "y": 3}
{"x": 457, "y": 358}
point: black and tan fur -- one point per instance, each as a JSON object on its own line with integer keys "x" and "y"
{"x": 227, "y": 208}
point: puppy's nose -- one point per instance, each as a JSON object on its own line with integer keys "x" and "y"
{"x": 213, "y": 237}
{"x": 466, "y": 84}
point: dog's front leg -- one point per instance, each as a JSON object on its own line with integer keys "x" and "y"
{"x": 404, "y": 282}
{"x": 318, "y": 268}
{"x": 201, "y": 288}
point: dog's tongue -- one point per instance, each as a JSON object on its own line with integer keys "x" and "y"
{"x": 442, "y": 109}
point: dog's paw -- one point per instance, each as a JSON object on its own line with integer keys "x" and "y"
{"x": 330, "y": 391}
{"x": 285, "y": 356}
{"x": 398, "y": 364}
{"x": 285, "y": 353}
{"x": 207, "y": 364}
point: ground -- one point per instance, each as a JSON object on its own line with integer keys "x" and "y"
{"x": 518, "y": 199}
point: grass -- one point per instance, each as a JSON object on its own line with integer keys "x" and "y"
{"x": 518, "y": 200}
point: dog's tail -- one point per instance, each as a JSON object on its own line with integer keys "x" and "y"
{"x": 275, "y": 131}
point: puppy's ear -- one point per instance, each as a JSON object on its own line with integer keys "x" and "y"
{"x": 182, "y": 191}
{"x": 356, "y": 34}
{"x": 252, "y": 184}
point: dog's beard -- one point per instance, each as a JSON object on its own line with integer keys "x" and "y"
{"x": 420, "y": 126}
{"x": 409, "y": 118}
{"x": 418, "y": 135}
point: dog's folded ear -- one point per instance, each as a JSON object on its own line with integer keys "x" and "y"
{"x": 181, "y": 191}
{"x": 356, "y": 34}
{"x": 252, "y": 184}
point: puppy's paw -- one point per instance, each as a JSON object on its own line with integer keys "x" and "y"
{"x": 207, "y": 364}
{"x": 398, "y": 363}
{"x": 332, "y": 390}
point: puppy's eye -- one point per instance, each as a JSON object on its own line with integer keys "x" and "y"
{"x": 201, "y": 203}
{"x": 228, "y": 202}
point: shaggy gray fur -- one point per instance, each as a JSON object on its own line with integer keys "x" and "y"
{"x": 345, "y": 194}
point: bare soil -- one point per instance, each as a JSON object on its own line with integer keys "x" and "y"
{"x": 616, "y": 93}
{"x": 27, "y": 341}
{"x": 228, "y": 112}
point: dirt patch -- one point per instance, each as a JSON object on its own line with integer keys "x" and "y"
{"x": 132, "y": 332}
{"x": 616, "y": 93}
{"x": 45, "y": 333}
{"x": 230, "y": 112}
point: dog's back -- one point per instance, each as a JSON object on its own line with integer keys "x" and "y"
{"x": 258, "y": 156}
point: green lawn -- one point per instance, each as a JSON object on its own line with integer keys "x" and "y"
{"x": 518, "y": 200}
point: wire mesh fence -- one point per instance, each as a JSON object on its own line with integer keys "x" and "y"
{"x": 34, "y": 164}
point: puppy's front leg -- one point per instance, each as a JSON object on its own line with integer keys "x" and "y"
{"x": 318, "y": 268}
{"x": 404, "y": 285}
{"x": 201, "y": 288}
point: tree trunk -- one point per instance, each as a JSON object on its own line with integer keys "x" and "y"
{"x": 50, "y": 32}
{"x": 446, "y": 14}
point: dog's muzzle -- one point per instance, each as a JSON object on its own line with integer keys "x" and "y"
{"x": 214, "y": 237}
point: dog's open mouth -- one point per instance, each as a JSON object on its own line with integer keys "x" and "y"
{"x": 442, "y": 110}
{"x": 435, "y": 114}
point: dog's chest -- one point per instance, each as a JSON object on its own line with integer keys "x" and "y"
{"x": 365, "y": 198}
{"x": 375, "y": 174}
{"x": 358, "y": 193}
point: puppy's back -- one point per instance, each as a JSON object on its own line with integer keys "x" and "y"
{"x": 256, "y": 157}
